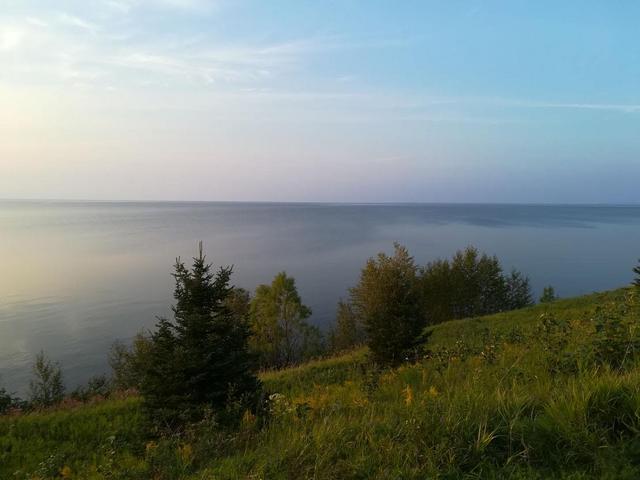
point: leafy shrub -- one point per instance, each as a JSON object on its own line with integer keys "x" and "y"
{"x": 47, "y": 387}
{"x": 554, "y": 335}
{"x": 616, "y": 343}
{"x": 98, "y": 386}
{"x": 7, "y": 401}
{"x": 128, "y": 362}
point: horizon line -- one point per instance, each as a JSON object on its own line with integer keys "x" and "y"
{"x": 310, "y": 202}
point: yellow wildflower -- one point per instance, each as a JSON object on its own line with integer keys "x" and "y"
{"x": 150, "y": 447}
{"x": 186, "y": 453}
{"x": 433, "y": 391}
{"x": 408, "y": 395}
{"x": 65, "y": 472}
{"x": 248, "y": 418}
{"x": 360, "y": 401}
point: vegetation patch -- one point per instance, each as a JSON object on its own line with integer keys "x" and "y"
{"x": 491, "y": 397}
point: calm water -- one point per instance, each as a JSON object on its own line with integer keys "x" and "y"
{"x": 77, "y": 276}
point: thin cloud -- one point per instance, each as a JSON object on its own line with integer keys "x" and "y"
{"x": 114, "y": 51}
{"x": 77, "y": 22}
{"x": 36, "y": 22}
{"x": 126, "y": 6}
{"x": 54, "y": 46}
{"x": 613, "y": 107}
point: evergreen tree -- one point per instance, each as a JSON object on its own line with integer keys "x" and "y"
{"x": 239, "y": 303}
{"x": 166, "y": 398}
{"x": 518, "y": 291}
{"x": 200, "y": 360}
{"x": 548, "y": 295}
{"x": 387, "y": 299}
{"x": 636, "y": 270}
{"x": 47, "y": 387}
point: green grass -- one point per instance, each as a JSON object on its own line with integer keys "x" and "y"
{"x": 551, "y": 391}
{"x": 38, "y": 445}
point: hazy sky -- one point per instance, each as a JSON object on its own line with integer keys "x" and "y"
{"x": 505, "y": 101}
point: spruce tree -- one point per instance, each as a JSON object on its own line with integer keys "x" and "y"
{"x": 162, "y": 385}
{"x": 636, "y": 270}
{"x": 200, "y": 360}
{"x": 518, "y": 291}
{"x": 548, "y": 295}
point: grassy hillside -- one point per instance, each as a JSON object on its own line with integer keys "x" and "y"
{"x": 547, "y": 392}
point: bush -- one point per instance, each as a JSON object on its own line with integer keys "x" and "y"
{"x": 98, "y": 386}
{"x": 616, "y": 343}
{"x": 128, "y": 363}
{"x": 6, "y": 401}
{"x": 47, "y": 387}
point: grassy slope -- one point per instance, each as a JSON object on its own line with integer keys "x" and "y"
{"x": 498, "y": 397}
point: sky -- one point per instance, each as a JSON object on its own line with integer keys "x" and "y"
{"x": 328, "y": 101}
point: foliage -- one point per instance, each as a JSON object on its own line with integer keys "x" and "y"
{"x": 491, "y": 399}
{"x": 518, "y": 293}
{"x": 238, "y": 303}
{"x": 7, "y": 401}
{"x": 548, "y": 295}
{"x": 636, "y": 270}
{"x": 348, "y": 331}
{"x": 201, "y": 360}
{"x": 98, "y": 386}
{"x": 128, "y": 363}
{"x": 47, "y": 387}
{"x": 471, "y": 284}
{"x": 387, "y": 299}
{"x": 281, "y": 334}
{"x": 616, "y": 341}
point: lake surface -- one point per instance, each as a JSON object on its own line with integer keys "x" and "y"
{"x": 77, "y": 276}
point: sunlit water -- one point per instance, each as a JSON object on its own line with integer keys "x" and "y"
{"x": 77, "y": 276}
